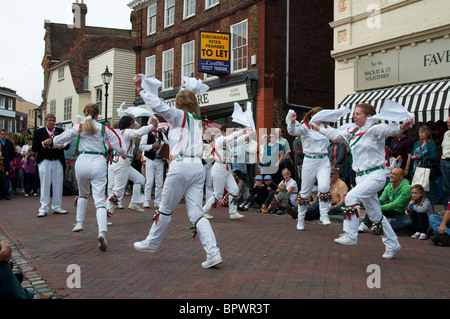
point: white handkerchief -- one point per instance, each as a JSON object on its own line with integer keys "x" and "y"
{"x": 390, "y": 111}
{"x": 288, "y": 117}
{"x": 195, "y": 85}
{"x": 139, "y": 111}
{"x": 330, "y": 115}
{"x": 120, "y": 111}
{"x": 150, "y": 84}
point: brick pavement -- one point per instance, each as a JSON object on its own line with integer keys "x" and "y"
{"x": 265, "y": 257}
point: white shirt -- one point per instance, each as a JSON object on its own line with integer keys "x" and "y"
{"x": 292, "y": 183}
{"x": 252, "y": 149}
{"x": 224, "y": 145}
{"x": 129, "y": 135}
{"x": 446, "y": 145}
{"x": 185, "y": 133}
{"x": 91, "y": 143}
{"x": 367, "y": 149}
{"x": 144, "y": 147}
{"x": 313, "y": 142}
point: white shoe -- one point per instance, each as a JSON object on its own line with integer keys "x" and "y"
{"x": 300, "y": 224}
{"x": 135, "y": 207}
{"x": 156, "y": 205}
{"x": 213, "y": 261}
{"x": 235, "y": 216}
{"x": 207, "y": 215}
{"x": 78, "y": 227}
{"x": 102, "y": 243}
{"x": 42, "y": 214}
{"x": 146, "y": 205}
{"x": 362, "y": 228}
{"x": 60, "y": 211}
{"x": 390, "y": 254}
{"x": 109, "y": 223}
{"x": 143, "y": 246}
{"x": 345, "y": 240}
{"x": 119, "y": 205}
{"x": 325, "y": 220}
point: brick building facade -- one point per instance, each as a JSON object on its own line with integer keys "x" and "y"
{"x": 260, "y": 74}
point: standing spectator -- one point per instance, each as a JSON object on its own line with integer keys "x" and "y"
{"x": 251, "y": 149}
{"x": 445, "y": 165}
{"x": 7, "y": 145}
{"x": 298, "y": 159}
{"x": 51, "y": 163}
{"x": 287, "y": 162}
{"x": 402, "y": 145}
{"x": 31, "y": 178}
{"x": 4, "y": 172}
{"x": 338, "y": 155}
{"x": 271, "y": 157}
{"x": 423, "y": 152}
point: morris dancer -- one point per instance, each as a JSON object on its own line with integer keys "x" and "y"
{"x": 221, "y": 170}
{"x": 122, "y": 169}
{"x": 315, "y": 166}
{"x": 90, "y": 166}
{"x": 186, "y": 175}
{"x": 366, "y": 145}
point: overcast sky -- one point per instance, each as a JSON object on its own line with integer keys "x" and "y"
{"x": 22, "y": 37}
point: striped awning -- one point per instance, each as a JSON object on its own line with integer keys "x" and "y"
{"x": 429, "y": 101}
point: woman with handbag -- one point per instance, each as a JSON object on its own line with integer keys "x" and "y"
{"x": 423, "y": 154}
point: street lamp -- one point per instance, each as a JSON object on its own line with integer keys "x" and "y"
{"x": 106, "y": 77}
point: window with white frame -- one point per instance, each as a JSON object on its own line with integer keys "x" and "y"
{"x": 211, "y": 3}
{"x": 189, "y": 8}
{"x": 167, "y": 76}
{"x": 10, "y": 125}
{"x": 239, "y": 42}
{"x": 2, "y": 123}
{"x": 2, "y": 102}
{"x": 188, "y": 59}
{"x": 68, "y": 109}
{"x": 61, "y": 73}
{"x": 99, "y": 99}
{"x": 11, "y": 104}
{"x": 52, "y": 108}
{"x": 150, "y": 66}
{"x": 151, "y": 21}
{"x": 169, "y": 13}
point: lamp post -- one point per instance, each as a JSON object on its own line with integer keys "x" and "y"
{"x": 106, "y": 77}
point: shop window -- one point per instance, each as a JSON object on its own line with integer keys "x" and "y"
{"x": 239, "y": 46}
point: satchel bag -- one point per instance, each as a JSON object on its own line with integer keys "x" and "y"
{"x": 422, "y": 177}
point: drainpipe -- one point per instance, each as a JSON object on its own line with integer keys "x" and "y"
{"x": 287, "y": 60}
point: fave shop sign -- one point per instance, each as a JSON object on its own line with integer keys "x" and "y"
{"x": 214, "y": 52}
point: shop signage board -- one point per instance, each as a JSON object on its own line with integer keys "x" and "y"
{"x": 214, "y": 52}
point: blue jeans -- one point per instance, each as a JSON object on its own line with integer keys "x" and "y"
{"x": 397, "y": 220}
{"x": 435, "y": 222}
{"x": 445, "y": 169}
{"x": 10, "y": 288}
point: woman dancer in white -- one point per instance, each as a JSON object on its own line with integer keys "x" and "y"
{"x": 366, "y": 144}
{"x": 315, "y": 166}
{"x": 122, "y": 169}
{"x": 221, "y": 170}
{"x": 186, "y": 175}
{"x": 90, "y": 166}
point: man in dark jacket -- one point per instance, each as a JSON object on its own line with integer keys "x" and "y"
{"x": 51, "y": 164}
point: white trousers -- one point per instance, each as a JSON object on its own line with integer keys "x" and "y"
{"x": 222, "y": 179}
{"x": 51, "y": 174}
{"x": 184, "y": 179}
{"x": 315, "y": 169}
{"x": 91, "y": 171}
{"x": 154, "y": 173}
{"x": 208, "y": 180}
{"x": 366, "y": 191}
{"x": 122, "y": 172}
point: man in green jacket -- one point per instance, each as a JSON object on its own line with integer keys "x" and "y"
{"x": 394, "y": 200}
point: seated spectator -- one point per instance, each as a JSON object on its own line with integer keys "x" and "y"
{"x": 281, "y": 200}
{"x": 259, "y": 194}
{"x": 10, "y": 287}
{"x": 394, "y": 200}
{"x": 338, "y": 190}
{"x": 419, "y": 210}
{"x": 441, "y": 227}
{"x": 241, "y": 186}
{"x": 272, "y": 188}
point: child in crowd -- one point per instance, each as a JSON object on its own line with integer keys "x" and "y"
{"x": 31, "y": 177}
{"x": 419, "y": 210}
{"x": 258, "y": 195}
{"x": 281, "y": 200}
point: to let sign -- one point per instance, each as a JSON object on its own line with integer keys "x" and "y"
{"x": 214, "y": 52}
